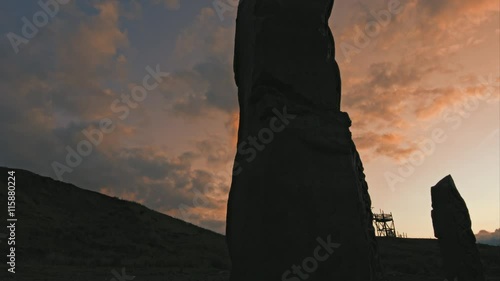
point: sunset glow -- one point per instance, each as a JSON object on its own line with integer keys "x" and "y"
{"x": 420, "y": 81}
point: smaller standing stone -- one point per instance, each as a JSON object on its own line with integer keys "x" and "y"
{"x": 452, "y": 226}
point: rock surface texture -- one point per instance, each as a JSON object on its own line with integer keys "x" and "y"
{"x": 299, "y": 207}
{"x": 452, "y": 226}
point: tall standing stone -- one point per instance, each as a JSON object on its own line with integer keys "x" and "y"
{"x": 452, "y": 227}
{"x": 299, "y": 207}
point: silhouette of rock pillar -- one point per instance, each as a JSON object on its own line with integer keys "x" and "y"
{"x": 299, "y": 206}
{"x": 452, "y": 227}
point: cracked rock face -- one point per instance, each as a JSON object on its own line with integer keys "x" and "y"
{"x": 452, "y": 227}
{"x": 299, "y": 206}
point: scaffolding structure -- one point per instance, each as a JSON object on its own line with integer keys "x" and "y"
{"x": 384, "y": 224}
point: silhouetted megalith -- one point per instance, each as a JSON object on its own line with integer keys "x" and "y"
{"x": 299, "y": 206}
{"x": 452, "y": 226}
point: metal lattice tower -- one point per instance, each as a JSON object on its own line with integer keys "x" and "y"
{"x": 384, "y": 224}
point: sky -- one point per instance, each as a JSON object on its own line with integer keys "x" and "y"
{"x": 136, "y": 99}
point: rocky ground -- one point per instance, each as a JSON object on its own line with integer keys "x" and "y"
{"x": 65, "y": 233}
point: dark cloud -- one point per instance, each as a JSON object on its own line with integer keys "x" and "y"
{"x": 208, "y": 87}
{"x": 215, "y": 150}
{"x": 204, "y": 80}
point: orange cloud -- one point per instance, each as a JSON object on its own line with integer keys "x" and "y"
{"x": 391, "y": 145}
{"x": 96, "y": 41}
{"x": 232, "y": 125}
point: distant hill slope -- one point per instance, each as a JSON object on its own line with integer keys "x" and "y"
{"x": 490, "y": 238}
{"x": 60, "y": 224}
{"x": 68, "y": 233}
